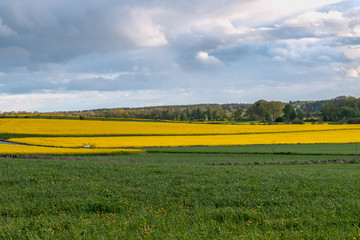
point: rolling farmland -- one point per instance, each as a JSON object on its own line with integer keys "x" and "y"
{"x": 156, "y": 180}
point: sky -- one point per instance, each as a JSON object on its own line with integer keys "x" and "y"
{"x": 59, "y": 55}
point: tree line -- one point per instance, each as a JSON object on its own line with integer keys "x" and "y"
{"x": 199, "y": 112}
{"x": 344, "y": 109}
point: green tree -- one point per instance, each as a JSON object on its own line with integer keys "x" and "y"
{"x": 184, "y": 116}
{"x": 275, "y": 109}
{"x": 210, "y": 114}
{"x": 257, "y": 110}
{"x": 268, "y": 117}
{"x": 329, "y": 111}
{"x": 238, "y": 114}
{"x": 300, "y": 114}
{"x": 289, "y": 112}
{"x": 349, "y": 112}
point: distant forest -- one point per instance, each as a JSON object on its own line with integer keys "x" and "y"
{"x": 340, "y": 109}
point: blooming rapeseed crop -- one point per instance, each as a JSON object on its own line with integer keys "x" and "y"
{"x": 28, "y": 150}
{"x": 63, "y": 127}
{"x": 335, "y": 136}
{"x": 119, "y": 134}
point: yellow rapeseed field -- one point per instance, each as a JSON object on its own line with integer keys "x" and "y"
{"x": 96, "y": 127}
{"x": 28, "y": 150}
{"x": 335, "y": 136}
{"x": 72, "y": 135}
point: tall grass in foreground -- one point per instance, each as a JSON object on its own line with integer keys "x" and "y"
{"x": 131, "y": 197}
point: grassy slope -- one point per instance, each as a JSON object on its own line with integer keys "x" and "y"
{"x": 177, "y": 196}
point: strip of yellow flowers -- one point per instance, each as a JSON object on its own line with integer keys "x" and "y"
{"x": 25, "y": 150}
{"x": 95, "y": 127}
{"x": 338, "y": 136}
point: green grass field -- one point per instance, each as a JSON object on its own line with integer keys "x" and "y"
{"x": 350, "y": 149}
{"x": 177, "y": 195}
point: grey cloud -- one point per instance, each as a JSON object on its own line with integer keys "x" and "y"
{"x": 59, "y": 30}
{"x": 131, "y": 81}
{"x": 348, "y": 41}
{"x": 59, "y": 45}
{"x": 13, "y": 53}
{"x": 6, "y": 31}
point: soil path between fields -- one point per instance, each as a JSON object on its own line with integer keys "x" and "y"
{"x": 9, "y": 143}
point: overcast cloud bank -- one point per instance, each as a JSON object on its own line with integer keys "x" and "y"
{"x": 66, "y": 55}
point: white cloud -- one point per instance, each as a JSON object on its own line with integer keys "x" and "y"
{"x": 319, "y": 23}
{"x": 353, "y": 72}
{"x": 84, "y": 100}
{"x": 304, "y": 50}
{"x": 205, "y": 58}
{"x": 351, "y": 51}
{"x": 256, "y": 12}
{"x": 333, "y": 23}
{"x": 142, "y": 30}
{"x": 217, "y": 33}
{"x": 352, "y": 68}
{"x": 350, "y": 72}
{"x": 109, "y": 76}
{"x": 59, "y": 101}
{"x": 221, "y": 27}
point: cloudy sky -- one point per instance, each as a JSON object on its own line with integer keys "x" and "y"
{"x": 87, "y": 54}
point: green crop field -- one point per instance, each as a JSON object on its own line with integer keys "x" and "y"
{"x": 176, "y": 194}
{"x": 351, "y": 149}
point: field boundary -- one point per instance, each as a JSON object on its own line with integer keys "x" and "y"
{"x": 24, "y": 135}
{"x": 289, "y": 163}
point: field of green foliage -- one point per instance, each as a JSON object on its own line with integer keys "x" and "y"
{"x": 173, "y": 193}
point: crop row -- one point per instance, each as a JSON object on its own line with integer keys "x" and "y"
{"x": 25, "y": 150}
{"x": 339, "y": 136}
{"x": 60, "y": 127}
